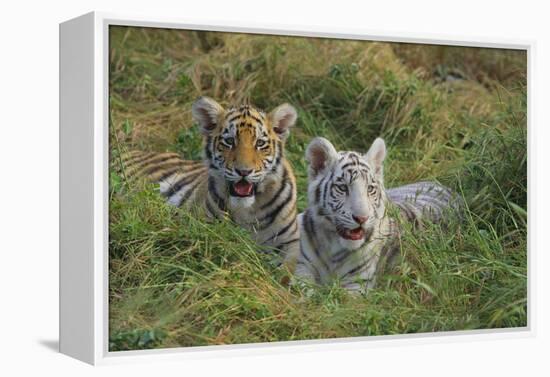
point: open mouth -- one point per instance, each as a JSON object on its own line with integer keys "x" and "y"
{"x": 241, "y": 189}
{"x": 352, "y": 234}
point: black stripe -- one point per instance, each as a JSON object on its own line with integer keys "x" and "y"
{"x": 303, "y": 254}
{"x": 318, "y": 193}
{"x": 189, "y": 192}
{"x": 218, "y": 200}
{"x": 279, "y": 192}
{"x": 168, "y": 173}
{"x": 156, "y": 159}
{"x": 126, "y": 157}
{"x": 354, "y": 270}
{"x": 340, "y": 256}
{"x": 310, "y": 263}
{"x": 185, "y": 180}
{"x": 279, "y": 246}
{"x": 131, "y": 155}
{"x": 148, "y": 170}
{"x": 315, "y": 249}
{"x": 207, "y": 151}
{"x": 355, "y": 163}
{"x": 305, "y": 220}
{"x": 278, "y": 156}
{"x": 256, "y": 118}
{"x": 308, "y": 227}
{"x": 210, "y": 209}
{"x": 409, "y": 213}
{"x": 280, "y": 146}
{"x": 234, "y": 118}
{"x": 270, "y": 217}
{"x": 325, "y": 189}
{"x": 281, "y": 231}
{"x": 137, "y": 160}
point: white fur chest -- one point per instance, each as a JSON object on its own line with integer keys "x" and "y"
{"x": 326, "y": 257}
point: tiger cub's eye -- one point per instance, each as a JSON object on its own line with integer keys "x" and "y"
{"x": 260, "y": 143}
{"x": 371, "y": 189}
{"x": 343, "y": 188}
{"x": 229, "y": 141}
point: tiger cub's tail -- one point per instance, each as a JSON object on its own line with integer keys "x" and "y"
{"x": 180, "y": 180}
{"x": 425, "y": 201}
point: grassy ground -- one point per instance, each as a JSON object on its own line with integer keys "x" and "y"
{"x": 456, "y": 115}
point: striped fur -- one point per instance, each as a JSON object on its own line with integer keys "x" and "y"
{"x": 181, "y": 182}
{"x": 244, "y": 175}
{"x": 346, "y": 233}
{"x": 424, "y": 201}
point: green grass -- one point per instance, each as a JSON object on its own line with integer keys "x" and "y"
{"x": 175, "y": 280}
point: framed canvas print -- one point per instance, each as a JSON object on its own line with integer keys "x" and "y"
{"x": 230, "y": 189}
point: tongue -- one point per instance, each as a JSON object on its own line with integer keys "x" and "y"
{"x": 354, "y": 234}
{"x": 243, "y": 188}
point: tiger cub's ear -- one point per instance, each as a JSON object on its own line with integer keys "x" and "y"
{"x": 206, "y": 113}
{"x": 282, "y": 118}
{"x": 376, "y": 155}
{"x": 321, "y": 155}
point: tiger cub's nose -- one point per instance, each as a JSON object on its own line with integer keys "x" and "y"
{"x": 243, "y": 172}
{"x": 360, "y": 219}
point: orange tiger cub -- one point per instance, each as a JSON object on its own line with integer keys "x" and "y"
{"x": 244, "y": 173}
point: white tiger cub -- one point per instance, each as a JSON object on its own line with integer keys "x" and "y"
{"x": 346, "y": 233}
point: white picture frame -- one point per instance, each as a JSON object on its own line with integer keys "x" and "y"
{"x": 84, "y": 192}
